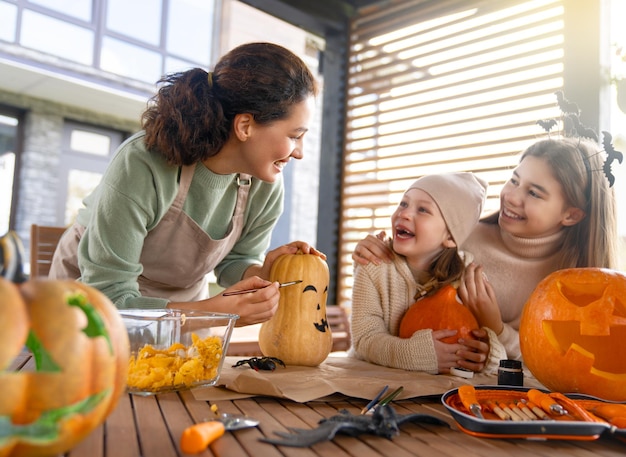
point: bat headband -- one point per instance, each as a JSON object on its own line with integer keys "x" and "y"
{"x": 572, "y": 127}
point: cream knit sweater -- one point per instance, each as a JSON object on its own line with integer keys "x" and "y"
{"x": 514, "y": 266}
{"x": 380, "y": 297}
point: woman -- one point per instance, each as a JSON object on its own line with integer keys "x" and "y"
{"x": 198, "y": 189}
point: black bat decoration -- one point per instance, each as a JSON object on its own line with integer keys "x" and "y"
{"x": 573, "y": 124}
{"x": 566, "y": 106}
{"x": 611, "y": 156}
{"x": 547, "y": 124}
{"x": 383, "y": 422}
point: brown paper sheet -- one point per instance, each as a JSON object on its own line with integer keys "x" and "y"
{"x": 336, "y": 375}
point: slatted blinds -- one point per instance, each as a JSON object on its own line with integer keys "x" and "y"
{"x": 439, "y": 86}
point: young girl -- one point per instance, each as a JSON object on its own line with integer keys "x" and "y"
{"x": 435, "y": 216}
{"x": 199, "y": 189}
{"x": 557, "y": 211}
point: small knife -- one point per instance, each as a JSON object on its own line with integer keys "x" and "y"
{"x": 548, "y": 404}
{"x": 467, "y": 394}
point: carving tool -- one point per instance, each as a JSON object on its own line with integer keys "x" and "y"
{"x": 536, "y": 410}
{"x": 372, "y": 403}
{"x": 247, "y": 291}
{"x": 467, "y": 394}
{"x": 517, "y": 410}
{"x": 524, "y": 409}
{"x": 498, "y": 411}
{"x": 547, "y": 403}
{"x": 197, "y": 437}
{"x": 510, "y": 412}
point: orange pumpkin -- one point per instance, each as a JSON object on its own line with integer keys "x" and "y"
{"x": 440, "y": 310}
{"x": 573, "y": 332}
{"x": 80, "y": 348}
{"x": 299, "y": 333}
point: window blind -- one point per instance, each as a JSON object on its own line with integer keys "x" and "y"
{"x": 441, "y": 86}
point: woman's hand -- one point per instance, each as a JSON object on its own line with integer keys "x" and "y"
{"x": 252, "y": 307}
{"x": 478, "y": 295}
{"x": 467, "y": 353}
{"x": 264, "y": 270}
{"x": 372, "y": 249}
{"x": 473, "y": 355}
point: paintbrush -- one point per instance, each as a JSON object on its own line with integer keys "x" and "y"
{"x": 246, "y": 291}
{"x": 372, "y": 403}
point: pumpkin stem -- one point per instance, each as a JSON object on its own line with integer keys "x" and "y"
{"x": 95, "y": 325}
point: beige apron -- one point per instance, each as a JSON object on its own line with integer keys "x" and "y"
{"x": 177, "y": 254}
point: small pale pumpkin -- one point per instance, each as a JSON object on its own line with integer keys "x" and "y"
{"x": 299, "y": 333}
{"x": 440, "y": 310}
{"x": 80, "y": 347}
{"x": 573, "y": 332}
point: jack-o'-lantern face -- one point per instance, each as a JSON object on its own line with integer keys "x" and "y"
{"x": 80, "y": 348}
{"x": 317, "y": 298}
{"x": 573, "y": 332}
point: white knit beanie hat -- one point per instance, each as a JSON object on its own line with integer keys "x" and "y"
{"x": 460, "y": 198}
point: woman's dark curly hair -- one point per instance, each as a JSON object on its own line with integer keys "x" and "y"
{"x": 191, "y": 116}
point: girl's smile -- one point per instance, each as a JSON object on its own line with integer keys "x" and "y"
{"x": 532, "y": 203}
{"x": 419, "y": 230}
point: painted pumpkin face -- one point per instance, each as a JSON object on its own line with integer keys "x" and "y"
{"x": 80, "y": 348}
{"x": 573, "y": 332}
{"x": 299, "y": 333}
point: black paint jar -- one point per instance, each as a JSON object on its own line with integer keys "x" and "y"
{"x": 510, "y": 373}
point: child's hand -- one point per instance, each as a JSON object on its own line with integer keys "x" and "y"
{"x": 448, "y": 355}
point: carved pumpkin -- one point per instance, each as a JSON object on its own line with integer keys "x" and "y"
{"x": 440, "y": 310}
{"x": 573, "y": 332}
{"x": 80, "y": 351}
{"x": 298, "y": 333}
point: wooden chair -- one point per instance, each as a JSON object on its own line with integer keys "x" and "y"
{"x": 340, "y": 326}
{"x": 43, "y": 242}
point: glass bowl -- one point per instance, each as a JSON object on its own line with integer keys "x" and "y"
{"x": 174, "y": 349}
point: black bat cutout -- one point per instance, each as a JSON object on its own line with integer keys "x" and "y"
{"x": 566, "y": 106}
{"x": 573, "y": 123}
{"x": 547, "y": 124}
{"x": 383, "y": 422}
{"x": 611, "y": 156}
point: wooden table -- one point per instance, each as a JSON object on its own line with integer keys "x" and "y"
{"x": 151, "y": 427}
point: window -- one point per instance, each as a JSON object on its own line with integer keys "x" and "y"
{"x": 195, "y": 16}
{"x": 87, "y": 151}
{"x": 57, "y": 37}
{"x": 442, "y": 87}
{"x": 8, "y": 15}
{"x": 80, "y": 9}
{"x": 130, "y": 39}
{"x": 618, "y": 110}
{"x": 8, "y": 155}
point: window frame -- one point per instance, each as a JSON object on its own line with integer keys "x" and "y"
{"x": 389, "y": 20}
